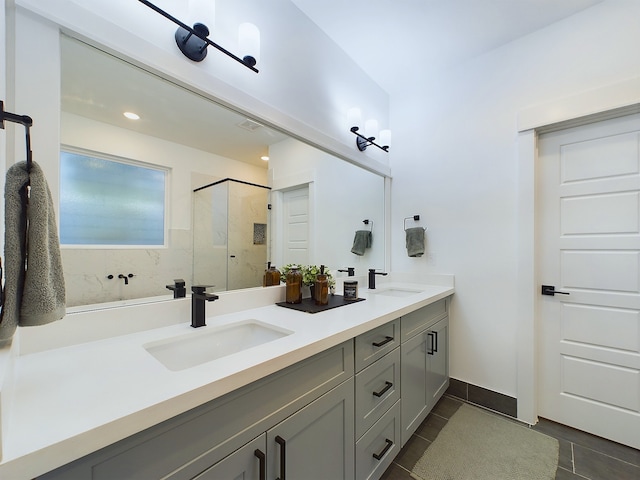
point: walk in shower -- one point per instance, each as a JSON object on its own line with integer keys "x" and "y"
{"x": 230, "y": 234}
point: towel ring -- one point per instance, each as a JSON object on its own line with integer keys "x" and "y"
{"x": 415, "y": 218}
{"x": 367, "y": 221}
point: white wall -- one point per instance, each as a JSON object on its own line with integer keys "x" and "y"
{"x": 306, "y": 82}
{"x": 455, "y": 151}
{"x": 341, "y": 197}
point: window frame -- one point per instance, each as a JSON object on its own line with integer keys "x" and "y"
{"x": 126, "y": 161}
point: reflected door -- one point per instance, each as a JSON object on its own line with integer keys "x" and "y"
{"x": 589, "y": 246}
{"x": 296, "y": 226}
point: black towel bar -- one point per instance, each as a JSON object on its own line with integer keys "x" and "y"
{"x": 22, "y": 119}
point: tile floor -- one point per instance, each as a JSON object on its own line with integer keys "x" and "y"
{"x": 582, "y": 456}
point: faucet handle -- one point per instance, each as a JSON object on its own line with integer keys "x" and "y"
{"x": 200, "y": 288}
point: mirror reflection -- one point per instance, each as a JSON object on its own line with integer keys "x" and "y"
{"x": 310, "y": 202}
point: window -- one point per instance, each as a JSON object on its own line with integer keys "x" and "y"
{"x": 110, "y": 202}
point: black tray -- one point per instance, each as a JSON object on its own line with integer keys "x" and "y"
{"x": 308, "y": 304}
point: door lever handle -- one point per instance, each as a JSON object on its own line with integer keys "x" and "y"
{"x": 551, "y": 290}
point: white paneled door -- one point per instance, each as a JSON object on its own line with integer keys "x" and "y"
{"x": 588, "y": 222}
{"x": 296, "y": 226}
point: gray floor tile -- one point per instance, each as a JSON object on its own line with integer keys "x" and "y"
{"x": 412, "y": 452}
{"x": 616, "y": 450}
{"x": 562, "y": 474}
{"x": 446, "y": 407}
{"x": 431, "y": 427}
{"x": 565, "y": 455}
{"x": 395, "y": 472}
{"x": 598, "y": 466}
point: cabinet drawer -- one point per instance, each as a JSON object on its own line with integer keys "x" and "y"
{"x": 377, "y": 388}
{"x": 379, "y": 446}
{"x": 376, "y": 343}
{"x": 416, "y": 321}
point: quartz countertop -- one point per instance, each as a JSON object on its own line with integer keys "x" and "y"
{"x": 70, "y": 401}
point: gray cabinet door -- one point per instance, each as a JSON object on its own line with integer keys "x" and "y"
{"x": 316, "y": 443}
{"x": 248, "y": 462}
{"x": 438, "y": 368}
{"x": 424, "y": 369}
{"x": 414, "y": 363}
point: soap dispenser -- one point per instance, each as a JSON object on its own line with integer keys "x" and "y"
{"x": 294, "y": 286}
{"x": 321, "y": 288}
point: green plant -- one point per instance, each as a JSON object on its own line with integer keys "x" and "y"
{"x": 309, "y": 273}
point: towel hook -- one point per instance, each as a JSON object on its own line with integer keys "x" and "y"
{"x": 415, "y": 218}
{"x": 24, "y": 120}
{"x": 366, "y": 221}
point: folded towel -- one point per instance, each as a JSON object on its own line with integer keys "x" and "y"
{"x": 34, "y": 282}
{"x": 361, "y": 241}
{"x": 415, "y": 241}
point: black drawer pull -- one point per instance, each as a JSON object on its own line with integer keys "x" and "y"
{"x": 384, "y": 342}
{"x": 435, "y": 334}
{"x": 378, "y": 456}
{"x": 263, "y": 463}
{"x": 280, "y": 441}
{"x": 431, "y": 343}
{"x": 386, "y": 388}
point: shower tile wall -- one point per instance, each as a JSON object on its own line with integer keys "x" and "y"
{"x": 86, "y": 270}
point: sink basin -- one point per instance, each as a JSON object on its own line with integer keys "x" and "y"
{"x": 198, "y": 347}
{"x": 394, "y": 292}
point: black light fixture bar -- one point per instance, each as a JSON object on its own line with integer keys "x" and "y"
{"x": 363, "y": 142}
{"x": 202, "y": 37}
{"x": 23, "y": 120}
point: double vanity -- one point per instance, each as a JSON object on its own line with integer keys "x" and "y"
{"x": 261, "y": 391}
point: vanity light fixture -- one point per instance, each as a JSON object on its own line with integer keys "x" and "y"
{"x": 370, "y": 131}
{"x": 193, "y": 42}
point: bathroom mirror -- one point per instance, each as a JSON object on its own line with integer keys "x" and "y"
{"x": 199, "y": 142}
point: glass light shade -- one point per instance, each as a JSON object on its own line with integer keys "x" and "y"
{"x": 249, "y": 41}
{"x": 371, "y": 128}
{"x": 354, "y": 117}
{"x": 385, "y": 138}
{"x": 201, "y": 11}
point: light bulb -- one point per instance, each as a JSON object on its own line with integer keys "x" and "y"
{"x": 371, "y": 128}
{"x": 385, "y": 138}
{"x": 354, "y": 117}
{"x": 249, "y": 43}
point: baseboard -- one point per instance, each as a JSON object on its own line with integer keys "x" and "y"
{"x": 481, "y": 396}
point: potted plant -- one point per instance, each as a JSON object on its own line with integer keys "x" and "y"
{"x": 309, "y": 273}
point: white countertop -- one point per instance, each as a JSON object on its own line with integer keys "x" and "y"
{"x": 71, "y": 401}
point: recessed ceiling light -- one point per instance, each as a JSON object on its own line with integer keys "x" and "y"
{"x": 265, "y": 158}
{"x": 131, "y": 115}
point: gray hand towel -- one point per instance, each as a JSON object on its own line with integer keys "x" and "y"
{"x": 415, "y": 241}
{"x": 361, "y": 241}
{"x": 34, "y": 284}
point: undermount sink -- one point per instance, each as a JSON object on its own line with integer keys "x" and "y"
{"x": 395, "y": 292}
{"x": 198, "y": 347}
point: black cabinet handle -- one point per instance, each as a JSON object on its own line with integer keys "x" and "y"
{"x": 384, "y": 342}
{"x": 378, "y": 456}
{"x": 263, "y": 463}
{"x": 435, "y": 334}
{"x": 431, "y": 344}
{"x": 387, "y": 386}
{"x": 283, "y": 459}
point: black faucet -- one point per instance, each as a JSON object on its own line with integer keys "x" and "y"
{"x": 198, "y": 297}
{"x": 125, "y": 277}
{"x": 372, "y": 277}
{"x": 351, "y": 271}
{"x": 178, "y": 288}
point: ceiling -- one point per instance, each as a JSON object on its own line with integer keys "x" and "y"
{"x": 99, "y": 86}
{"x": 392, "y": 41}
{"x": 397, "y": 40}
